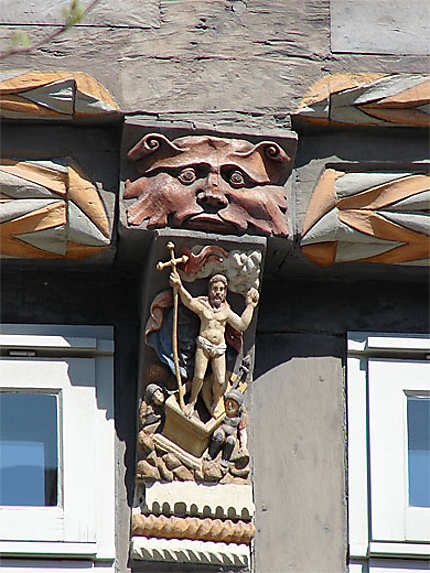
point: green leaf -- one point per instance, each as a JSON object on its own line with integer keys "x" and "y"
{"x": 20, "y": 39}
{"x": 73, "y": 14}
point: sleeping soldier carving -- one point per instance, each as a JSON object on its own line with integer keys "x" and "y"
{"x": 208, "y": 183}
{"x": 232, "y": 430}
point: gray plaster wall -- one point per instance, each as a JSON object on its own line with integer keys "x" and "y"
{"x": 393, "y": 28}
{"x": 298, "y": 442}
{"x": 223, "y": 63}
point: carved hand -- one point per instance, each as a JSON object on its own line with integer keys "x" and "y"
{"x": 252, "y": 297}
{"x": 175, "y": 281}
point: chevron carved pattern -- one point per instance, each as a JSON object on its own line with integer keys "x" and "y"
{"x": 189, "y": 551}
{"x": 53, "y": 95}
{"x": 50, "y": 209}
{"x": 368, "y": 99}
{"x": 372, "y": 216}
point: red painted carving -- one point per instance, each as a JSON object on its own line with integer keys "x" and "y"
{"x": 196, "y": 261}
{"x": 208, "y": 183}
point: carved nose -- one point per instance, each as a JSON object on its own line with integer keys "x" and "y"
{"x": 210, "y": 196}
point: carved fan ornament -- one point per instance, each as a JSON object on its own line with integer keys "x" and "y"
{"x": 369, "y": 216}
{"x": 385, "y": 100}
{"x": 54, "y": 96}
{"x": 208, "y": 183}
{"x": 50, "y": 209}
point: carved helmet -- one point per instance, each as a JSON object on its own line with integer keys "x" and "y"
{"x": 150, "y": 391}
{"x": 235, "y": 395}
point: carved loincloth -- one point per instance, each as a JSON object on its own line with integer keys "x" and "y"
{"x": 212, "y": 350}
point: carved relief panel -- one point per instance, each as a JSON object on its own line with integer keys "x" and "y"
{"x": 193, "y": 463}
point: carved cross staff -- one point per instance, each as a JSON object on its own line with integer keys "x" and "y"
{"x": 160, "y": 266}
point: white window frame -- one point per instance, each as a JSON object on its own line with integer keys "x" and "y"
{"x": 380, "y": 522}
{"x": 76, "y": 363}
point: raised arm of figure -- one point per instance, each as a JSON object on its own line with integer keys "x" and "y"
{"x": 187, "y": 300}
{"x": 242, "y": 322}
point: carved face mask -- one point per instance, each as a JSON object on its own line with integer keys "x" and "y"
{"x": 210, "y": 184}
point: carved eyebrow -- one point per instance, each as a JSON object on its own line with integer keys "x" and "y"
{"x": 253, "y": 178}
{"x": 176, "y": 166}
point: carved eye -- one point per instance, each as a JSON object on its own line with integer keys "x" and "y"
{"x": 237, "y": 179}
{"x": 187, "y": 176}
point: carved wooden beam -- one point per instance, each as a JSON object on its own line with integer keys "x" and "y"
{"x": 193, "y": 466}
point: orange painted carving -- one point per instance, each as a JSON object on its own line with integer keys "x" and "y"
{"x": 346, "y": 225}
{"x": 204, "y": 529}
{"x": 397, "y": 99}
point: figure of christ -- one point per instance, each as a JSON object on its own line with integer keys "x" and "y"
{"x": 214, "y": 313}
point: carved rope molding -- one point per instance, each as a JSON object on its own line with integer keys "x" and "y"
{"x": 205, "y": 529}
{"x": 53, "y": 95}
{"x": 49, "y": 209}
{"x": 189, "y": 551}
{"x": 368, "y": 99}
{"x": 369, "y": 216}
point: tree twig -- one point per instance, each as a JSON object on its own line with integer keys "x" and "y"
{"x": 48, "y": 39}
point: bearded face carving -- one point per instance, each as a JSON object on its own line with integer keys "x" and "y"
{"x": 209, "y": 184}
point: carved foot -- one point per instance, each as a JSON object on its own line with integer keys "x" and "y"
{"x": 213, "y": 409}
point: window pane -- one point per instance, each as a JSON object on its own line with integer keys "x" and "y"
{"x": 28, "y": 449}
{"x": 419, "y": 451}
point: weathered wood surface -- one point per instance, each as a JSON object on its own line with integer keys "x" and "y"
{"x": 220, "y": 63}
{"x": 394, "y": 27}
{"x": 127, "y": 13}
